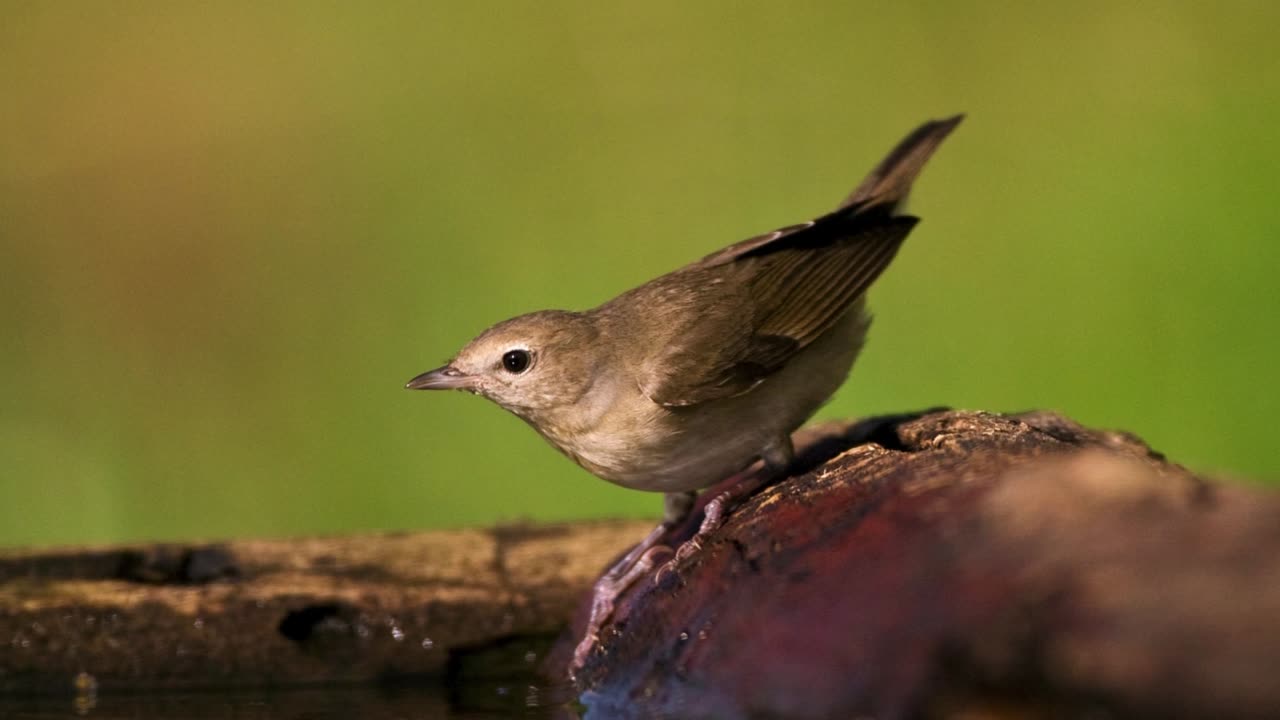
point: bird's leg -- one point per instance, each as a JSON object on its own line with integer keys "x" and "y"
{"x": 676, "y": 508}
{"x": 777, "y": 459}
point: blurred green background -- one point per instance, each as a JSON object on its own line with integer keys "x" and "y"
{"x": 230, "y": 232}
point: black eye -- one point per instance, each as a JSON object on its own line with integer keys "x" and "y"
{"x": 516, "y": 361}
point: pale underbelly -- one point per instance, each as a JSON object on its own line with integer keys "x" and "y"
{"x": 682, "y": 464}
{"x": 682, "y": 449}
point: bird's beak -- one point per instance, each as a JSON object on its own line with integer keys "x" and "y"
{"x": 442, "y": 378}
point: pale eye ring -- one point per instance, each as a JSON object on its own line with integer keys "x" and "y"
{"x": 516, "y": 361}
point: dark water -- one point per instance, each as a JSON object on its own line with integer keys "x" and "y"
{"x": 401, "y": 702}
{"x": 497, "y": 681}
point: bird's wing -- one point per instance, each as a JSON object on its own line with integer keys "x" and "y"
{"x": 769, "y": 307}
{"x": 786, "y": 288}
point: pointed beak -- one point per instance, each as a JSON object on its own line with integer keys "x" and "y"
{"x": 442, "y": 378}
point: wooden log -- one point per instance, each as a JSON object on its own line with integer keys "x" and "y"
{"x": 287, "y": 612}
{"x": 962, "y": 564}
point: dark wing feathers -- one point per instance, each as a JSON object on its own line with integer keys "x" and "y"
{"x": 806, "y": 291}
{"x": 785, "y": 299}
{"x": 787, "y": 287}
{"x": 745, "y": 246}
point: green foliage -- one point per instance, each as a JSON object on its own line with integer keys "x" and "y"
{"x": 229, "y": 233}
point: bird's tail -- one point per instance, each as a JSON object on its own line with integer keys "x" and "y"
{"x": 888, "y": 185}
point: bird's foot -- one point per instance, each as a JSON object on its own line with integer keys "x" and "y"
{"x": 686, "y": 549}
{"x": 713, "y": 517}
{"x": 711, "y": 522}
{"x": 644, "y": 557}
{"x": 604, "y": 595}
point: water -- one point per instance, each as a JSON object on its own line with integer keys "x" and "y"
{"x": 398, "y": 702}
{"x": 498, "y": 681}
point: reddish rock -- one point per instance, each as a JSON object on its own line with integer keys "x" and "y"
{"x": 954, "y": 562}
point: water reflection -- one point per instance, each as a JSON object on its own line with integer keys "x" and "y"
{"x": 499, "y": 680}
{"x": 400, "y": 702}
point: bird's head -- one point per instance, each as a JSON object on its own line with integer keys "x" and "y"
{"x": 529, "y": 364}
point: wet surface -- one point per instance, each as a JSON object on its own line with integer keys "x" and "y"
{"x": 513, "y": 699}
{"x": 494, "y": 681}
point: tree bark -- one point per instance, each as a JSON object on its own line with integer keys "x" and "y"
{"x": 285, "y": 612}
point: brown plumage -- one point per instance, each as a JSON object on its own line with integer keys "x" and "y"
{"x": 688, "y": 378}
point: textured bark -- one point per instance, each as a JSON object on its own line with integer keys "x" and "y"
{"x": 962, "y": 564}
{"x": 256, "y": 613}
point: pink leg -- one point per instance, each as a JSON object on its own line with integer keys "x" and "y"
{"x": 776, "y": 461}
{"x": 713, "y": 517}
{"x": 609, "y": 588}
{"x": 641, "y": 559}
{"x": 624, "y": 573}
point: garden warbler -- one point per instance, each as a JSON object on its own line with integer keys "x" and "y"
{"x": 690, "y": 378}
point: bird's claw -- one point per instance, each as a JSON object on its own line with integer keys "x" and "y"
{"x": 580, "y": 653}
{"x": 684, "y": 552}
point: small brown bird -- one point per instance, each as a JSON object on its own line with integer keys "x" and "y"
{"x": 692, "y": 377}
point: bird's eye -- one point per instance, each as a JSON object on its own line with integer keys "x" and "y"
{"x": 516, "y": 361}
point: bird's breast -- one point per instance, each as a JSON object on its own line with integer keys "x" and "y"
{"x": 620, "y": 435}
{"x": 617, "y": 433}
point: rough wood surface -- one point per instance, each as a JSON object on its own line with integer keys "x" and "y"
{"x": 962, "y": 564}
{"x": 277, "y": 612}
